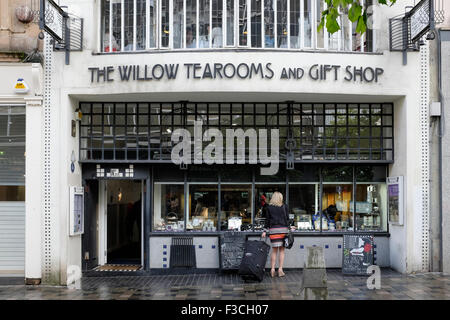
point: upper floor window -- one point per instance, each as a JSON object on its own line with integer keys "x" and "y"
{"x": 132, "y": 25}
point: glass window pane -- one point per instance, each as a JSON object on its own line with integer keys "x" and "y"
{"x": 204, "y": 24}
{"x": 256, "y": 23}
{"x": 168, "y": 207}
{"x": 165, "y": 23}
{"x": 153, "y": 23}
{"x": 191, "y": 24}
{"x": 295, "y": 23}
{"x": 320, "y": 7}
{"x": 230, "y": 22}
{"x": 371, "y": 207}
{"x": 269, "y": 23}
{"x": 178, "y": 24}
{"x": 105, "y": 25}
{"x": 203, "y": 207}
{"x": 141, "y": 16}
{"x": 303, "y": 205}
{"x": 282, "y": 24}
{"x": 236, "y": 210}
{"x": 128, "y": 25}
{"x": 12, "y": 193}
{"x": 216, "y": 32}
{"x": 263, "y": 194}
{"x": 336, "y": 214}
{"x": 243, "y": 22}
{"x": 307, "y": 24}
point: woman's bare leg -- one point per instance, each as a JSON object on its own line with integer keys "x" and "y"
{"x": 273, "y": 258}
{"x": 280, "y": 266}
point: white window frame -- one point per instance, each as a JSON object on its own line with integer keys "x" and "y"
{"x": 340, "y": 37}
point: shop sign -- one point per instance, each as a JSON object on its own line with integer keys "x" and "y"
{"x": 395, "y": 200}
{"x": 244, "y": 71}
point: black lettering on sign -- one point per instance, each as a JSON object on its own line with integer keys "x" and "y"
{"x": 256, "y": 70}
{"x": 158, "y": 74}
{"x": 284, "y": 74}
{"x": 125, "y": 73}
{"x": 270, "y": 70}
{"x": 314, "y": 72}
{"x": 348, "y": 76}
{"x": 171, "y": 71}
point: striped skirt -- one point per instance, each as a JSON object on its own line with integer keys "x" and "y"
{"x": 277, "y": 236}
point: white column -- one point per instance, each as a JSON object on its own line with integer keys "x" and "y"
{"x": 33, "y": 190}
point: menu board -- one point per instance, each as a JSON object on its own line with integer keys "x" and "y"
{"x": 76, "y": 208}
{"x": 357, "y": 254}
{"x": 232, "y": 246}
{"x": 395, "y": 200}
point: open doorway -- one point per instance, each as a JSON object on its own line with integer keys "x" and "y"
{"x": 124, "y": 221}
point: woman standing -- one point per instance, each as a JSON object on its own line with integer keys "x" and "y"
{"x": 277, "y": 224}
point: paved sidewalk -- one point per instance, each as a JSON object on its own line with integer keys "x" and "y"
{"x": 430, "y": 286}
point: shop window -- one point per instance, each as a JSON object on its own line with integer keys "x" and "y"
{"x": 370, "y": 206}
{"x": 371, "y": 198}
{"x": 336, "y": 212}
{"x": 256, "y": 23}
{"x": 203, "y": 207}
{"x": 263, "y": 194}
{"x": 304, "y": 206}
{"x": 178, "y": 24}
{"x": 191, "y": 24}
{"x": 168, "y": 207}
{"x": 12, "y": 193}
{"x": 204, "y": 24}
{"x": 132, "y": 25}
{"x": 236, "y": 207}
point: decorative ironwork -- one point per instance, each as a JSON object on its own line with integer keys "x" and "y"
{"x": 322, "y": 132}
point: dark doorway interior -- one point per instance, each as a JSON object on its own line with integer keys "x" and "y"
{"x": 89, "y": 238}
{"x": 124, "y": 221}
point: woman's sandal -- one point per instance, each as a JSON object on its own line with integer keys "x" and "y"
{"x": 272, "y": 273}
{"x": 281, "y": 273}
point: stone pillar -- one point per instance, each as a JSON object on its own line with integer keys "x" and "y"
{"x": 314, "y": 285}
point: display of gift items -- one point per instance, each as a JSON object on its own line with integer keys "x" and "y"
{"x": 368, "y": 212}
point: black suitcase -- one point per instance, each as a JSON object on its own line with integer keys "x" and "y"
{"x": 254, "y": 260}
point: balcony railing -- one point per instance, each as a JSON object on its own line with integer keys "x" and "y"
{"x": 139, "y": 25}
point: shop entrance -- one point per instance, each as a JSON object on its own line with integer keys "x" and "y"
{"x": 123, "y": 215}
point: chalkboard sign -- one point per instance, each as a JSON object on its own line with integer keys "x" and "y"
{"x": 357, "y": 254}
{"x": 232, "y": 245}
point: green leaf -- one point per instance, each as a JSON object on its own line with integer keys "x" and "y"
{"x": 355, "y": 12}
{"x": 361, "y": 26}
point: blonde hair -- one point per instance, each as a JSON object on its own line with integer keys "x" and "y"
{"x": 277, "y": 199}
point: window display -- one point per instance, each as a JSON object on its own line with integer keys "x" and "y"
{"x": 336, "y": 212}
{"x": 263, "y": 194}
{"x": 371, "y": 198}
{"x": 236, "y": 207}
{"x": 320, "y": 198}
{"x": 303, "y": 205}
{"x": 168, "y": 209}
{"x": 203, "y": 204}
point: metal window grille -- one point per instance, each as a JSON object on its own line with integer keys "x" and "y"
{"x": 323, "y": 132}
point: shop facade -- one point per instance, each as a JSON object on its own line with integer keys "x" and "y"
{"x": 345, "y": 112}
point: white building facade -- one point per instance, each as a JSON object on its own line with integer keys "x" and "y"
{"x": 349, "y": 115}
